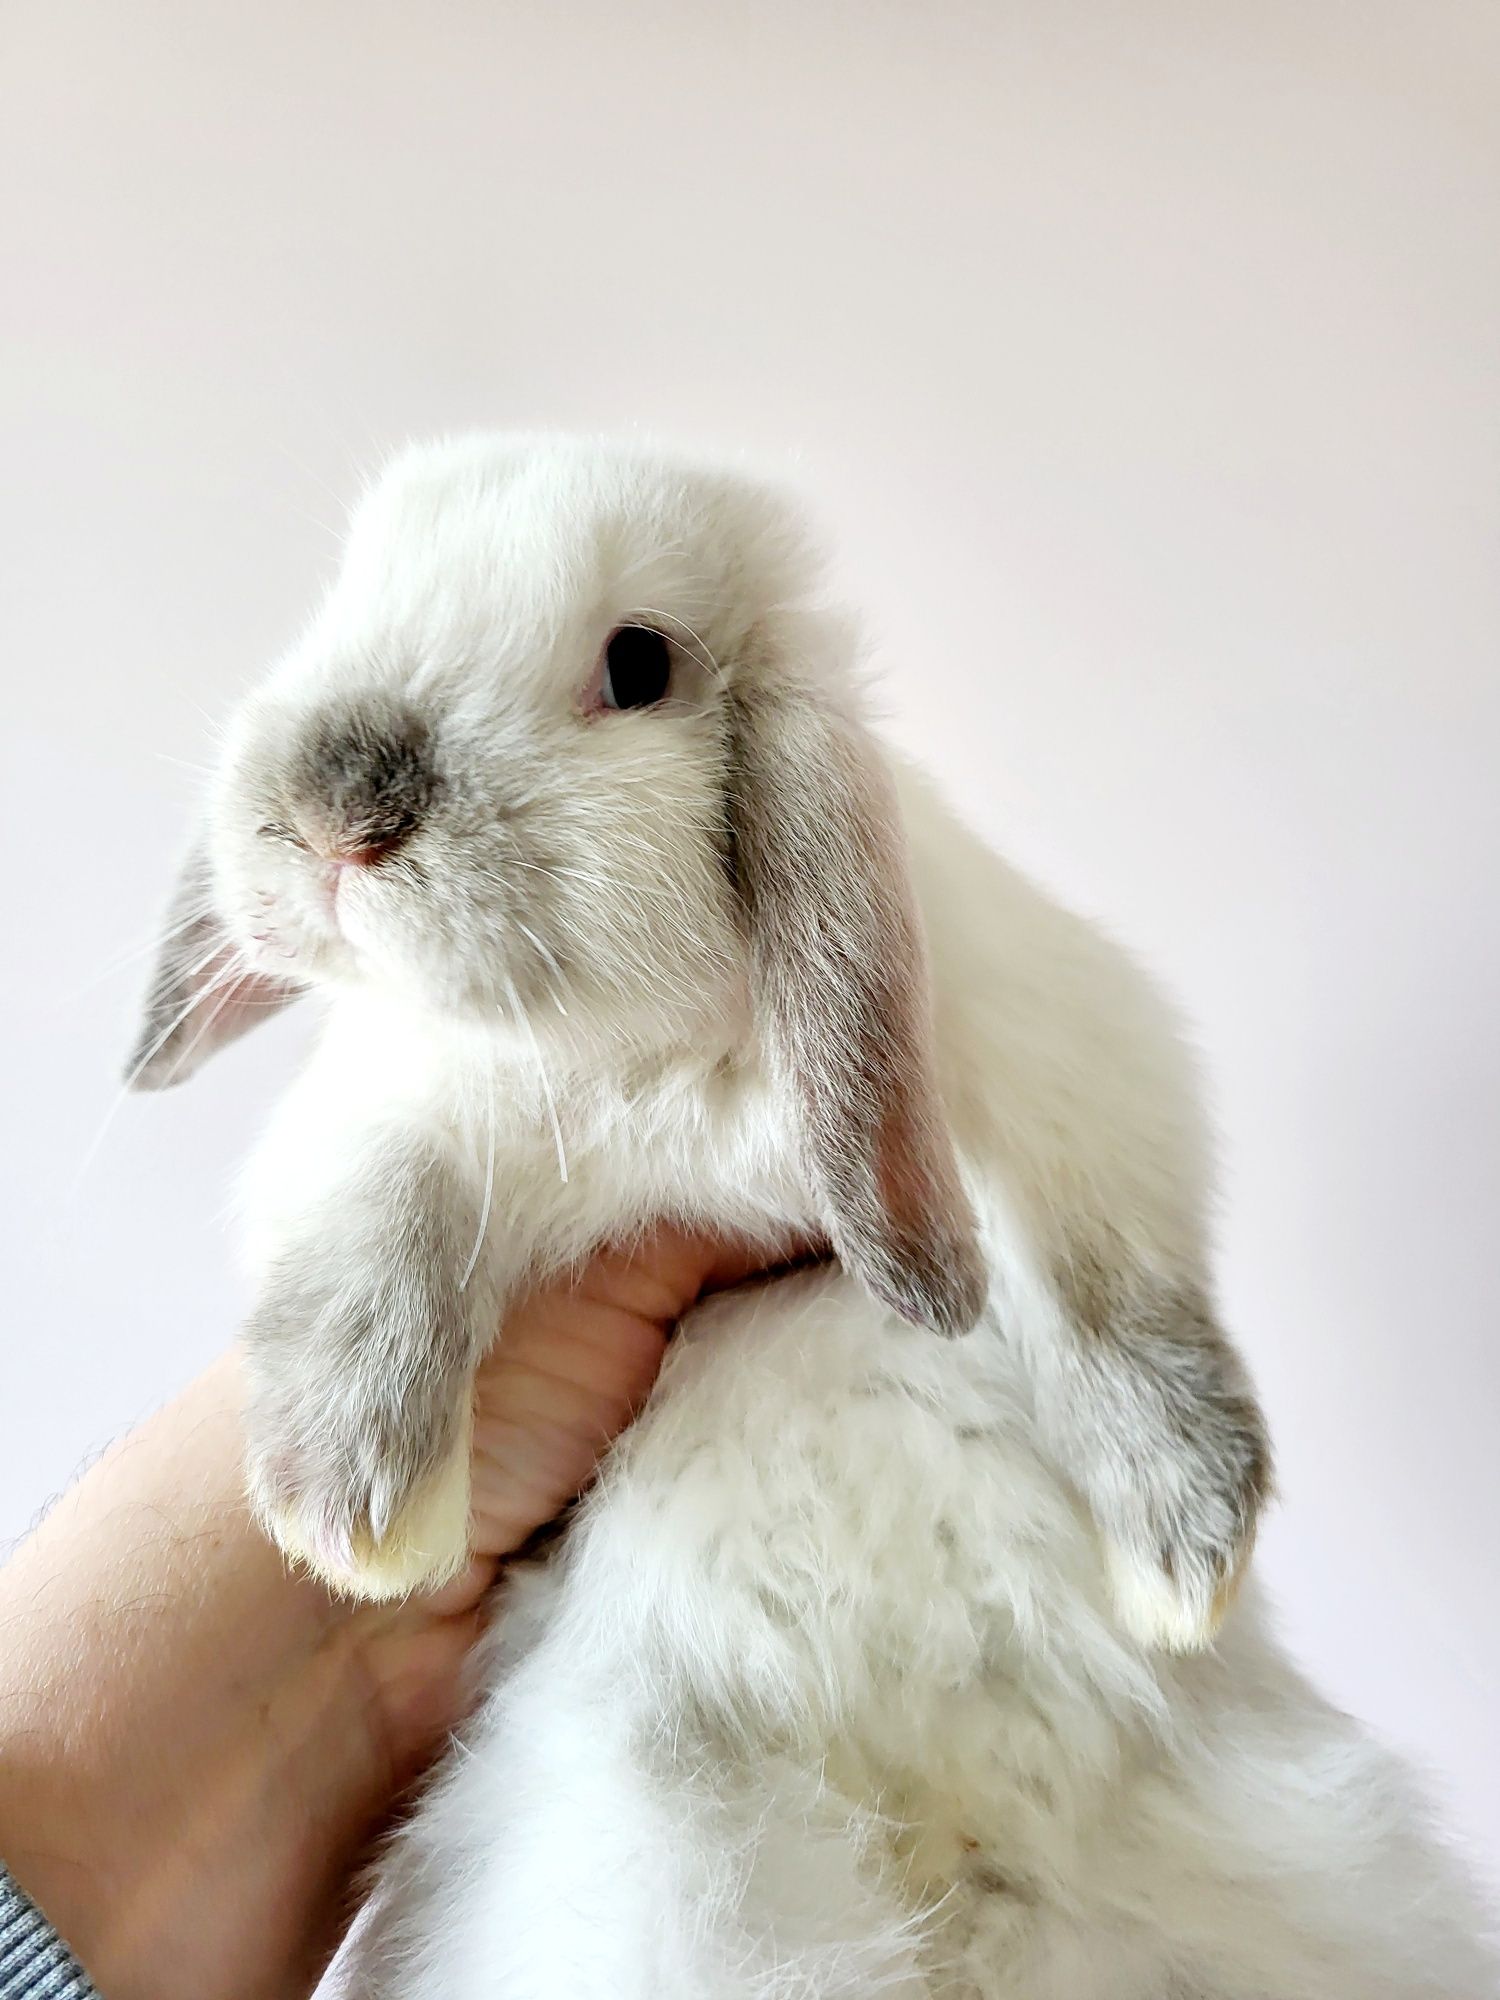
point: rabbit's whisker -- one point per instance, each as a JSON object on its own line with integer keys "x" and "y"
{"x": 129, "y": 955}
{"x": 548, "y": 960}
{"x": 239, "y": 969}
{"x": 707, "y": 661}
{"x": 233, "y": 971}
{"x": 215, "y": 724}
{"x": 489, "y": 1187}
{"x": 184, "y": 764}
{"x": 523, "y": 1021}
{"x": 558, "y": 871}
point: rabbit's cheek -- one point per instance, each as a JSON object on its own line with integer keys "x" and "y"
{"x": 281, "y": 921}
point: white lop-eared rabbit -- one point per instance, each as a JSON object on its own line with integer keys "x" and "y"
{"x": 878, "y": 1661}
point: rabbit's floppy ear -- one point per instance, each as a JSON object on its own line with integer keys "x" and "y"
{"x": 840, "y": 987}
{"x": 201, "y": 993}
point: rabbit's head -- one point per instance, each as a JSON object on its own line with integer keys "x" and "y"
{"x": 569, "y": 749}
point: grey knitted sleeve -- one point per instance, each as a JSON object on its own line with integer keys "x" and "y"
{"x": 35, "y": 1964}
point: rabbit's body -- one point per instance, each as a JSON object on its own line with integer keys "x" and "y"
{"x": 824, "y": 1697}
{"x": 848, "y": 1679}
{"x": 1064, "y": 1084}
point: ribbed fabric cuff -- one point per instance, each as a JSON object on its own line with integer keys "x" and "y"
{"x": 35, "y": 1964}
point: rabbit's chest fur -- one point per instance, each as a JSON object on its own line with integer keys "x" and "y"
{"x": 831, "y": 1546}
{"x": 1061, "y": 1075}
{"x": 564, "y": 1158}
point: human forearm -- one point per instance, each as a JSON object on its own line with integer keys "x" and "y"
{"x": 190, "y": 1744}
{"x": 195, "y": 1745}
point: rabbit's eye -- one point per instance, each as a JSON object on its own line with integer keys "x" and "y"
{"x": 637, "y": 668}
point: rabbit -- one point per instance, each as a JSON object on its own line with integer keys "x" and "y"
{"x": 886, "y": 1655}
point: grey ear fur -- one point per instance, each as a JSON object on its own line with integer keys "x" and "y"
{"x": 840, "y": 985}
{"x": 197, "y": 999}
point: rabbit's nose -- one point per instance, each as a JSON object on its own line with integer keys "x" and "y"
{"x": 365, "y": 785}
{"x": 364, "y": 847}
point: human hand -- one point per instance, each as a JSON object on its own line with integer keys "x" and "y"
{"x": 197, "y": 1748}
{"x": 575, "y": 1362}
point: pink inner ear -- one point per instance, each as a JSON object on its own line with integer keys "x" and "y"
{"x": 189, "y": 1019}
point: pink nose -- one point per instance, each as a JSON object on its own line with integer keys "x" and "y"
{"x": 349, "y": 847}
{"x": 353, "y": 852}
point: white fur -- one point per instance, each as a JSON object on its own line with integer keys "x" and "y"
{"x": 828, "y": 1699}
{"x": 835, "y": 1689}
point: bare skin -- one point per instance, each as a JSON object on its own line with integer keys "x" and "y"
{"x": 196, "y": 1748}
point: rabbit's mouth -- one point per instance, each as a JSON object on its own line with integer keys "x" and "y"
{"x": 298, "y": 928}
{"x": 319, "y": 889}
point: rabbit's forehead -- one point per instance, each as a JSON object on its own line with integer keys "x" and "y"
{"x": 555, "y": 537}
{"x": 531, "y": 613}
{"x": 486, "y": 570}
{"x": 546, "y": 535}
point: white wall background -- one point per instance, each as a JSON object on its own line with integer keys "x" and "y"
{"x": 1144, "y": 357}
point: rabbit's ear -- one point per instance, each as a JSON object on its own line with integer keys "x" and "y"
{"x": 841, "y": 992}
{"x": 201, "y": 993}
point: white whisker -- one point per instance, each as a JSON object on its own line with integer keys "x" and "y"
{"x": 523, "y": 1021}
{"x": 227, "y": 979}
{"x": 184, "y": 764}
{"x": 241, "y": 971}
{"x": 562, "y": 873}
{"x": 489, "y": 1189}
{"x": 215, "y": 723}
{"x": 671, "y": 617}
{"x": 549, "y": 961}
{"x": 129, "y": 955}
{"x": 232, "y": 971}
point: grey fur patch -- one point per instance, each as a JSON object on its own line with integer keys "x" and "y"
{"x": 363, "y": 772}
{"x": 992, "y": 1880}
{"x": 1170, "y": 1443}
{"x": 361, "y": 1352}
{"x": 840, "y": 983}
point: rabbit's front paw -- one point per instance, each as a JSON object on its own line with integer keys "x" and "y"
{"x": 1172, "y": 1581}
{"x": 1175, "y": 1461}
{"x": 359, "y": 1470}
{"x": 363, "y": 1535}
{"x": 1178, "y": 1539}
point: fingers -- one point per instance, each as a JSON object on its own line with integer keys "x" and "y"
{"x": 660, "y": 1278}
{"x": 566, "y": 1376}
{"x": 462, "y": 1593}
{"x": 574, "y": 1363}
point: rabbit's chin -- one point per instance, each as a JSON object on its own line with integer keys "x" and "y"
{"x": 318, "y": 949}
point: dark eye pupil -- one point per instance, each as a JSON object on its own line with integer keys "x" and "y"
{"x": 637, "y": 667}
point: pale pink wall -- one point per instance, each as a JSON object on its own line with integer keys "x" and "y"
{"x": 1144, "y": 358}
